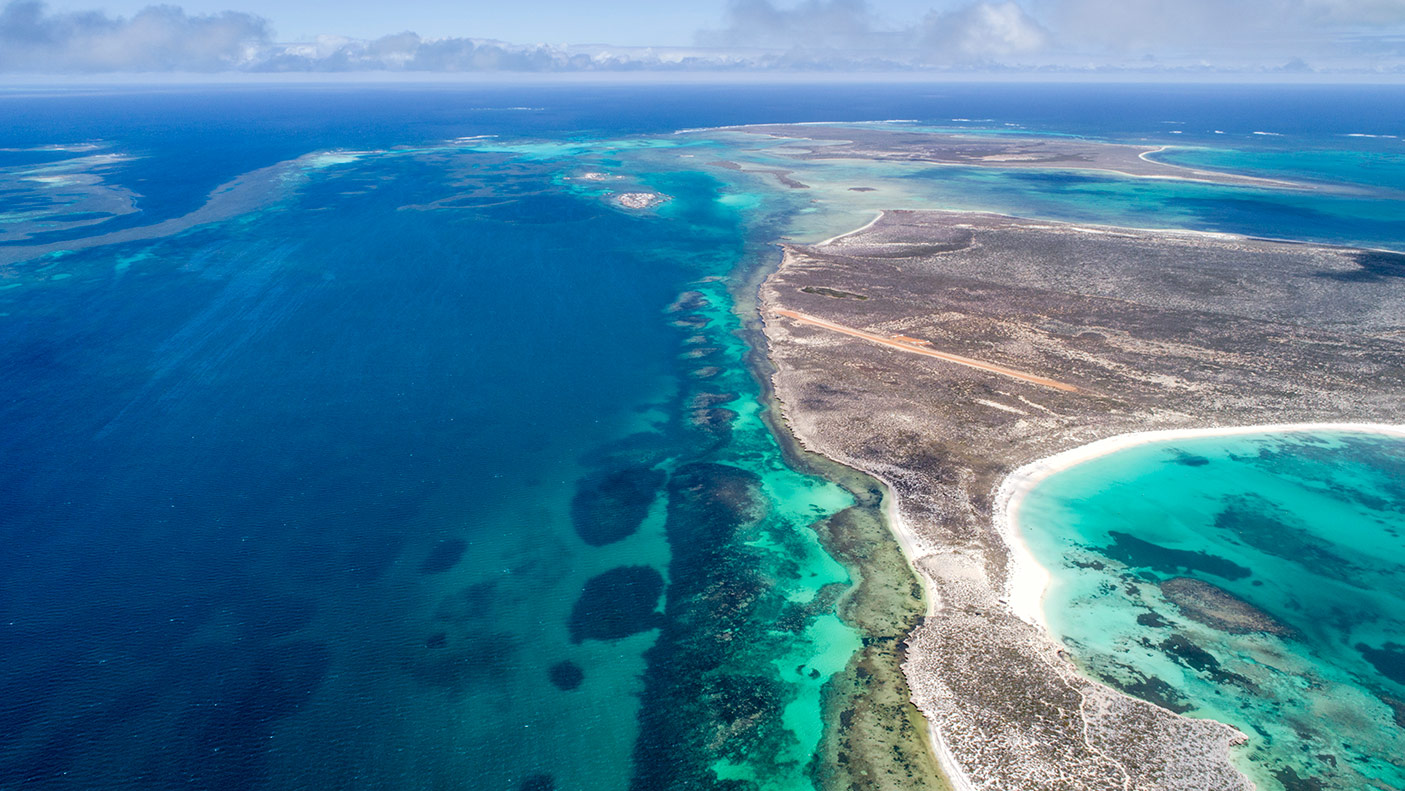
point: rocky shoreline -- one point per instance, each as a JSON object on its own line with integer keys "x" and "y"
{"x": 1157, "y": 330}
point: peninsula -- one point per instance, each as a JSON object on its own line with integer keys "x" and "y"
{"x": 1145, "y": 330}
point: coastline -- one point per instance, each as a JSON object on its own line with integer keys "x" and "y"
{"x": 1026, "y": 579}
{"x": 906, "y": 541}
{"x": 1093, "y": 228}
{"x": 890, "y": 749}
{"x": 1002, "y": 702}
{"x": 1028, "y": 151}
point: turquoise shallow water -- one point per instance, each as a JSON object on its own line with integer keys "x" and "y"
{"x": 1255, "y": 579}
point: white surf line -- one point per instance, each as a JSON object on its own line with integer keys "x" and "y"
{"x": 1026, "y": 580}
{"x": 729, "y": 127}
{"x": 1145, "y": 155}
{"x": 864, "y": 227}
{"x": 1233, "y": 179}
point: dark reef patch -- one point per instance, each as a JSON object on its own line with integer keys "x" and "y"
{"x": 539, "y": 782}
{"x": 707, "y": 400}
{"x": 689, "y": 301}
{"x": 1292, "y": 781}
{"x": 609, "y": 507}
{"x": 1396, "y": 706}
{"x": 1190, "y": 459}
{"x": 1273, "y": 531}
{"x": 716, "y": 422}
{"x": 1183, "y": 651}
{"x": 1152, "y": 621}
{"x": 445, "y": 555}
{"x": 1388, "y": 660}
{"x": 692, "y": 320}
{"x": 1218, "y": 608}
{"x": 643, "y": 448}
{"x": 566, "y": 676}
{"x": 1135, "y": 552}
{"x": 616, "y": 604}
{"x": 1148, "y": 688}
{"x": 700, "y": 709}
{"x": 1154, "y": 690}
{"x": 477, "y": 656}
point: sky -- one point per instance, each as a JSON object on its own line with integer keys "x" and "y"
{"x": 623, "y": 22}
{"x": 960, "y": 36}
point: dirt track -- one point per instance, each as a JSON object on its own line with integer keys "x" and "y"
{"x": 913, "y": 348}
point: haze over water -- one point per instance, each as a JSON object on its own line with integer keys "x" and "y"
{"x": 415, "y": 463}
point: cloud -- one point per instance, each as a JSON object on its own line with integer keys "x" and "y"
{"x": 1086, "y": 34}
{"x": 410, "y": 52}
{"x": 1255, "y": 29}
{"x": 762, "y": 35}
{"x": 1356, "y": 12}
{"x": 166, "y": 39}
{"x": 972, "y": 33}
{"x": 981, "y": 32}
{"x": 157, "y": 38}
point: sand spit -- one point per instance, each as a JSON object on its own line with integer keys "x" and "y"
{"x": 1171, "y": 334}
{"x": 895, "y": 143}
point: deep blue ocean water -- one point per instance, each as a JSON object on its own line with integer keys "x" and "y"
{"x": 307, "y": 494}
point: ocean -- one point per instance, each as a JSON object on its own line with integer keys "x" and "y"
{"x": 354, "y": 437}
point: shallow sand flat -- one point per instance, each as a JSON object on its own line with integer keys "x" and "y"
{"x": 249, "y": 192}
{"x": 1159, "y": 331}
{"x": 996, "y": 151}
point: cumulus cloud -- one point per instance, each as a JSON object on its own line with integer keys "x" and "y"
{"x": 1083, "y": 33}
{"x": 977, "y": 32}
{"x": 158, "y": 38}
{"x": 410, "y": 52}
{"x": 759, "y": 35}
{"x": 981, "y": 32}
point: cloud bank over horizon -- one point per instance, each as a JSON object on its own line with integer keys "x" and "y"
{"x": 961, "y": 36}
